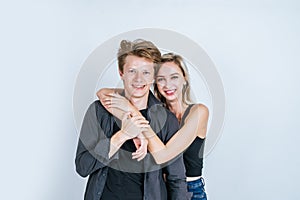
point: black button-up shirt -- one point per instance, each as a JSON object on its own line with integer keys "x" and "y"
{"x": 93, "y": 147}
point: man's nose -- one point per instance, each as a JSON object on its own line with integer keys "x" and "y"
{"x": 138, "y": 76}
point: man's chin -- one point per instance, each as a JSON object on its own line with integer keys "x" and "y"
{"x": 139, "y": 94}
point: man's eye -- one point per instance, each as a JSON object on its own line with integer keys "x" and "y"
{"x": 160, "y": 79}
{"x": 146, "y": 73}
{"x": 131, "y": 71}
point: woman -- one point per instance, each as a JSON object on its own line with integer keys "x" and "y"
{"x": 173, "y": 89}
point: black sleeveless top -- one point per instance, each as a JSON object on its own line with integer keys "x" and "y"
{"x": 193, "y": 155}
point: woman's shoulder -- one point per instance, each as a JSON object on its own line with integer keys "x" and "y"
{"x": 200, "y": 113}
{"x": 200, "y": 109}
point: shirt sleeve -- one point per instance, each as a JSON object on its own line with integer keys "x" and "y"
{"x": 94, "y": 142}
{"x": 175, "y": 170}
{"x": 176, "y": 179}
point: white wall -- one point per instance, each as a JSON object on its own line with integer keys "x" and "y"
{"x": 254, "y": 44}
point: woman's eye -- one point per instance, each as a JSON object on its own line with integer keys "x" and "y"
{"x": 174, "y": 77}
{"x": 146, "y": 73}
{"x": 160, "y": 79}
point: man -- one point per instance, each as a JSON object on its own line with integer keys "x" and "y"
{"x": 120, "y": 177}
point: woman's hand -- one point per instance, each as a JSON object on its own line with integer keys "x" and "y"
{"x": 114, "y": 100}
{"x": 141, "y": 144}
{"x": 134, "y": 126}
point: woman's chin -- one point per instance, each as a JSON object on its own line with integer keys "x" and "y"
{"x": 171, "y": 98}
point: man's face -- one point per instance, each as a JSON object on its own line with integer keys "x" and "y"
{"x": 137, "y": 76}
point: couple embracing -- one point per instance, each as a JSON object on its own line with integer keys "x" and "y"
{"x": 138, "y": 145}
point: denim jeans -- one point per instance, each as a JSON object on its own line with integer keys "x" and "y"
{"x": 197, "y": 188}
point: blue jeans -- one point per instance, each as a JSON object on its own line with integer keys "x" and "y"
{"x": 197, "y": 188}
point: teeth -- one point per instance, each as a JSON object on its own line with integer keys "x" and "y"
{"x": 138, "y": 86}
{"x": 169, "y": 91}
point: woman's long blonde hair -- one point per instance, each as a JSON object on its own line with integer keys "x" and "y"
{"x": 178, "y": 60}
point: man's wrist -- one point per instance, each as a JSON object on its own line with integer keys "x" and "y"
{"x": 117, "y": 140}
{"x": 120, "y": 137}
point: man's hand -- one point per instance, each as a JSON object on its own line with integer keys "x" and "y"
{"x": 141, "y": 144}
{"x": 133, "y": 126}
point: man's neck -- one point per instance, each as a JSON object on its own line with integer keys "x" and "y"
{"x": 140, "y": 103}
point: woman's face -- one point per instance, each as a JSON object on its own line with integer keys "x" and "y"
{"x": 170, "y": 81}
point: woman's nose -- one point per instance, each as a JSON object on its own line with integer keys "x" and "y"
{"x": 167, "y": 84}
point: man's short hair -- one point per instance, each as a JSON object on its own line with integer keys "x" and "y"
{"x": 140, "y": 48}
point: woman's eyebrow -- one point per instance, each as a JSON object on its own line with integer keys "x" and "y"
{"x": 176, "y": 73}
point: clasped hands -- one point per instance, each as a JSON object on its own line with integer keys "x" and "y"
{"x": 133, "y": 126}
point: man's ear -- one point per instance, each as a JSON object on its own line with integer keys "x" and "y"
{"x": 121, "y": 74}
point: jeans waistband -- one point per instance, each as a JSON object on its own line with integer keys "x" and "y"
{"x": 199, "y": 181}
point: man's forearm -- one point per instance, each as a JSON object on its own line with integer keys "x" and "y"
{"x": 117, "y": 140}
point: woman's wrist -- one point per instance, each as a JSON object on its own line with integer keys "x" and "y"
{"x": 149, "y": 133}
{"x": 134, "y": 111}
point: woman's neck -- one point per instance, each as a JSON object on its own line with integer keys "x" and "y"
{"x": 178, "y": 108}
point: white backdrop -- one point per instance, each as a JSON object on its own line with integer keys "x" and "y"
{"x": 254, "y": 44}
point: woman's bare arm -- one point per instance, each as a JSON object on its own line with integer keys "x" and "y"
{"x": 122, "y": 104}
{"x": 195, "y": 125}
